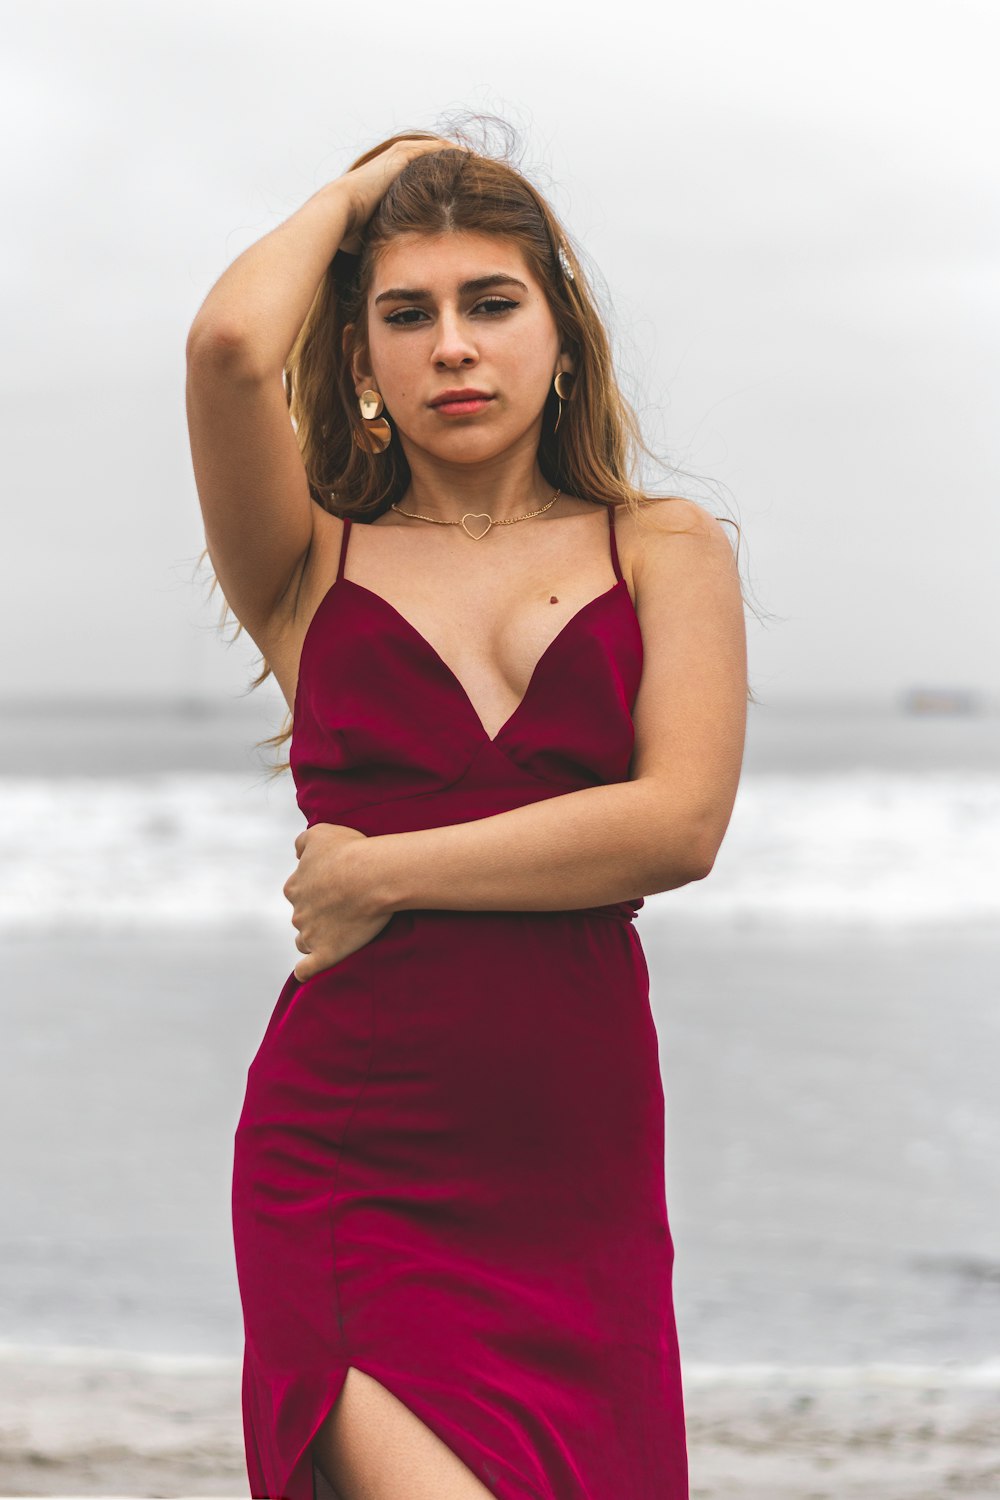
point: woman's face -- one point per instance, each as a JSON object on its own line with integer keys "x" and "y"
{"x": 460, "y": 311}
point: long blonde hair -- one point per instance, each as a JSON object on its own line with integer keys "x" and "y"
{"x": 596, "y": 450}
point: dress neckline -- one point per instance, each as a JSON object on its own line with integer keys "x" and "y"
{"x": 537, "y": 671}
{"x": 461, "y": 690}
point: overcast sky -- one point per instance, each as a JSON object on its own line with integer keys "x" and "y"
{"x": 793, "y": 207}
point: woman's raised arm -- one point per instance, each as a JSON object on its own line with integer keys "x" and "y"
{"x": 252, "y": 485}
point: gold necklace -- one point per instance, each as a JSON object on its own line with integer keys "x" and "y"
{"x": 480, "y": 515}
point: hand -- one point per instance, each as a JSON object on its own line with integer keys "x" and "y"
{"x": 366, "y": 184}
{"x": 333, "y": 910}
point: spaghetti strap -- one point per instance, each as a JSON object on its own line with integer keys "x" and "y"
{"x": 614, "y": 543}
{"x": 343, "y": 545}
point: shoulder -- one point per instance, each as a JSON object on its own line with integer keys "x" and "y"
{"x": 658, "y": 516}
{"x": 663, "y": 535}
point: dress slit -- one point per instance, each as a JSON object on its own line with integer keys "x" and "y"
{"x": 478, "y": 1464}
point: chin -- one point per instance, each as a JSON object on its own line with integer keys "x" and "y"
{"x": 469, "y": 446}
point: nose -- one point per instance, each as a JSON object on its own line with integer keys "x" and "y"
{"x": 453, "y": 346}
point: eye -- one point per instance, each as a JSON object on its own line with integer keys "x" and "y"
{"x": 494, "y": 305}
{"x": 402, "y": 318}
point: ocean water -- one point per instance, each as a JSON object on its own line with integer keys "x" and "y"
{"x": 827, "y": 1003}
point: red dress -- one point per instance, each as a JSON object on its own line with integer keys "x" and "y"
{"x": 449, "y": 1166}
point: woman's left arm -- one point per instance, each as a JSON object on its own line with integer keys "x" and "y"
{"x": 660, "y": 829}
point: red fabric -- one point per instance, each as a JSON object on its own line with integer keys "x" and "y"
{"x": 449, "y": 1167}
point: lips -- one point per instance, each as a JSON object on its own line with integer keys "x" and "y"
{"x": 461, "y": 402}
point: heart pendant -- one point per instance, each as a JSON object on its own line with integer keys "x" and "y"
{"x": 479, "y": 515}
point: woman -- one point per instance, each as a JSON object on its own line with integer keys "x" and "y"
{"x": 519, "y": 707}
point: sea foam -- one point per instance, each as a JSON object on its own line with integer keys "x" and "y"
{"x": 876, "y": 848}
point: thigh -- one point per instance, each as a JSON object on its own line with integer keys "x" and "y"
{"x": 373, "y": 1447}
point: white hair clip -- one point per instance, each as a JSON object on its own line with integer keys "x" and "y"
{"x": 564, "y": 262}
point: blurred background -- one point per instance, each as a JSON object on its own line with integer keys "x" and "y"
{"x": 791, "y": 216}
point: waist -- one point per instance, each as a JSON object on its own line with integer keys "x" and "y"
{"x": 619, "y": 911}
{"x": 623, "y": 911}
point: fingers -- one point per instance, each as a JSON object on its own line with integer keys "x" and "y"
{"x": 311, "y": 965}
{"x": 439, "y": 143}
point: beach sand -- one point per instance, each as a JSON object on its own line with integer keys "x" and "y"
{"x": 73, "y": 1426}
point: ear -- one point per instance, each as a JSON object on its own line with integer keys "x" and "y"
{"x": 362, "y": 377}
{"x": 566, "y": 362}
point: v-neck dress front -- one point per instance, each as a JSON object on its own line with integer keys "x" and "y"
{"x": 449, "y": 1165}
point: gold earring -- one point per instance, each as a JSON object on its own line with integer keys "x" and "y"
{"x": 376, "y": 434}
{"x": 564, "y": 394}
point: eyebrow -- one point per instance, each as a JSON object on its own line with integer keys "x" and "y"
{"x": 478, "y": 284}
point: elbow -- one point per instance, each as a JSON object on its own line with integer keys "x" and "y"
{"x": 220, "y": 348}
{"x": 693, "y": 861}
{"x": 704, "y": 848}
{"x": 701, "y": 868}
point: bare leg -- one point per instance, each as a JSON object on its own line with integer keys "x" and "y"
{"x": 372, "y": 1447}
